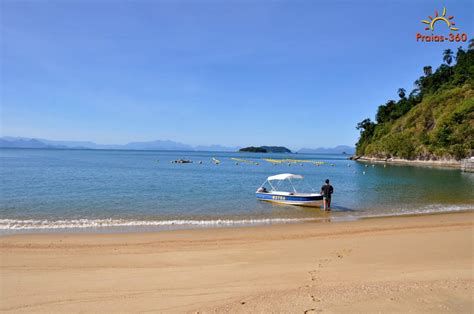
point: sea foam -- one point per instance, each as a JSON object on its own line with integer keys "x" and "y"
{"x": 65, "y": 224}
{"x": 31, "y": 224}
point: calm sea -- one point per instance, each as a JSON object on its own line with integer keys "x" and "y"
{"x": 103, "y": 191}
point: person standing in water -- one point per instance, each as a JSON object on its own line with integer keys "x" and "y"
{"x": 326, "y": 191}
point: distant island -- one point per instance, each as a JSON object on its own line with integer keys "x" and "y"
{"x": 434, "y": 122}
{"x": 265, "y": 149}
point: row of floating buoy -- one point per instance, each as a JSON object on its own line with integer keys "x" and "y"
{"x": 244, "y": 161}
{"x": 293, "y": 161}
{"x": 238, "y": 161}
{"x": 367, "y": 166}
{"x": 273, "y": 161}
{"x": 181, "y": 161}
{"x": 187, "y": 161}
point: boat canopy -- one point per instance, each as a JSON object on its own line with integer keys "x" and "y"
{"x": 284, "y": 176}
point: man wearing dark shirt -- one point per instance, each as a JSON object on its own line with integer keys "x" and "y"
{"x": 326, "y": 191}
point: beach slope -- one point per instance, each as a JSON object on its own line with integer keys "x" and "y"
{"x": 404, "y": 264}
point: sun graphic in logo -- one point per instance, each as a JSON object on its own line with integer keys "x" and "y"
{"x": 440, "y": 18}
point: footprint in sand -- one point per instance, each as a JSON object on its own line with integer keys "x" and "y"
{"x": 342, "y": 253}
{"x": 314, "y": 299}
{"x": 322, "y": 262}
{"x": 313, "y": 275}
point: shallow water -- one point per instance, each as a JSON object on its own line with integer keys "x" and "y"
{"x": 103, "y": 190}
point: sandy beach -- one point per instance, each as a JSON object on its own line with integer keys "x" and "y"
{"x": 398, "y": 264}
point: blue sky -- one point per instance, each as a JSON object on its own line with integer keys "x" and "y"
{"x": 293, "y": 73}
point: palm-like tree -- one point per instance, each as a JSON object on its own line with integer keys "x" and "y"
{"x": 427, "y": 70}
{"x": 448, "y": 56}
{"x": 459, "y": 53}
{"x": 417, "y": 84}
{"x": 401, "y": 92}
{"x": 414, "y": 93}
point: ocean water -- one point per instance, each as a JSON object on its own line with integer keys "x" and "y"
{"x": 106, "y": 190}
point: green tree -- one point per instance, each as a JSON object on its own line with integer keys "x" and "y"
{"x": 382, "y": 115}
{"x": 365, "y": 125}
{"x": 366, "y": 128}
{"x": 401, "y": 92}
{"x": 448, "y": 56}
{"x": 417, "y": 84}
{"x": 460, "y": 53}
{"x": 414, "y": 94}
{"x": 428, "y": 70}
{"x": 436, "y": 119}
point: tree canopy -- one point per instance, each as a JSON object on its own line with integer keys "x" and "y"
{"x": 435, "y": 121}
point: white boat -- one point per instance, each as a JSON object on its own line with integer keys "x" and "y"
{"x": 272, "y": 194}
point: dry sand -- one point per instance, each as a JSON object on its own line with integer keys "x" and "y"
{"x": 404, "y": 264}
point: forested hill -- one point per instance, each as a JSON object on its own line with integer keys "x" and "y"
{"x": 434, "y": 121}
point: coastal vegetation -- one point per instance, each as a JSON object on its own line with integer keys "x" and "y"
{"x": 265, "y": 149}
{"x": 433, "y": 121}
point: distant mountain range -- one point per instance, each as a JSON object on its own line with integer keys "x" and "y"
{"x": 335, "y": 150}
{"x": 23, "y": 142}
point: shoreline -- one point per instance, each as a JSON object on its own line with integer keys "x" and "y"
{"x": 152, "y": 226}
{"x": 412, "y": 263}
{"x": 303, "y": 223}
{"x": 444, "y": 163}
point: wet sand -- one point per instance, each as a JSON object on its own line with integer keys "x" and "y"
{"x": 401, "y": 264}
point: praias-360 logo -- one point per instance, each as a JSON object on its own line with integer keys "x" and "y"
{"x": 439, "y": 21}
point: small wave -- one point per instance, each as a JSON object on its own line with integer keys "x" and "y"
{"x": 31, "y": 224}
{"x": 433, "y": 209}
{"x": 429, "y": 209}
{"x": 13, "y": 225}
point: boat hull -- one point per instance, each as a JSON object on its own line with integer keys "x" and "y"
{"x": 298, "y": 200}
